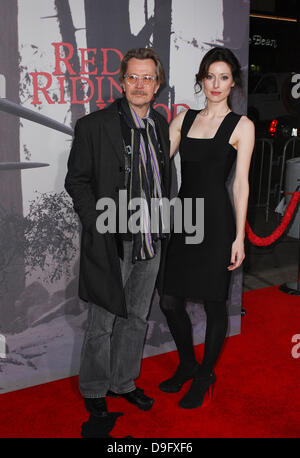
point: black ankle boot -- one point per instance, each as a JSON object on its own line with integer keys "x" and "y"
{"x": 182, "y": 375}
{"x": 200, "y": 385}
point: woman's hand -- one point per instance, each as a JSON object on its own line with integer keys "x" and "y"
{"x": 237, "y": 254}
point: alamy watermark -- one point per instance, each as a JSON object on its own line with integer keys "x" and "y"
{"x": 2, "y": 346}
{"x": 187, "y": 218}
{"x": 296, "y": 348}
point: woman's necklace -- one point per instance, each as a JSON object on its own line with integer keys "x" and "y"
{"x": 205, "y": 112}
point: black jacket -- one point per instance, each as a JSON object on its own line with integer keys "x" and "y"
{"x": 96, "y": 169}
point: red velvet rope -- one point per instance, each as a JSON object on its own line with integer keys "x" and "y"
{"x": 265, "y": 241}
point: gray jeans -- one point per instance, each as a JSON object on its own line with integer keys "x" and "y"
{"x": 113, "y": 346}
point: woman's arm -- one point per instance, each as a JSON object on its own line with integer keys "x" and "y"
{"x": 245, "y": 144}
{"x": 175, "y": 132}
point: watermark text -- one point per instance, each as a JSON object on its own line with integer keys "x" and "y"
{"x": 187, "y": 218}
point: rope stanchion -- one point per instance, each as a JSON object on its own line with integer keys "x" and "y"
{"x": 289, "y": 287}
{"x": 289, "y": 212}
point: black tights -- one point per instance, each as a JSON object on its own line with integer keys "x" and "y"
{"x": 174, "y": 308}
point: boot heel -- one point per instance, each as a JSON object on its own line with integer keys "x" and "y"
{"x": 198, "y": 389}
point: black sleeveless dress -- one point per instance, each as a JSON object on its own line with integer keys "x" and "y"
{"x": 199, "y": 271}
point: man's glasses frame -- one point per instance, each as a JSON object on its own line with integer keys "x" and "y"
{"x": 132, "y": 79}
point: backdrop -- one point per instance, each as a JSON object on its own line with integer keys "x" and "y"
{"x": 59, "y": 61}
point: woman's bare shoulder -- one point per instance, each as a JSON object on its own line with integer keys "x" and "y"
{"x": 178, "y": 120}
{"x": 245, "y": 124}
{"x": 180, "y": 117}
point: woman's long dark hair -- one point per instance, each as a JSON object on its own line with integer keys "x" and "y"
{"x": 219, "y": 54}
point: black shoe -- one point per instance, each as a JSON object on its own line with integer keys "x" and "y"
{"x": 96, "y": 406}
{"x": 99, "y": 426}
{"x": 136, "y": 397}
{"x": 200, "y": 385}
{"x": 175, "y": 383}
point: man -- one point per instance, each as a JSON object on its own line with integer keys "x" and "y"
{"x": 122, "y": 147}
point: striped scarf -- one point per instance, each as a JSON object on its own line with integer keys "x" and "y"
{"x": 145, "y": 180}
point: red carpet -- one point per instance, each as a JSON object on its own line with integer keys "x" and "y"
{"x": 256, "y": 393}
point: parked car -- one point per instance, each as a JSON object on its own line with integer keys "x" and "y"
{"x": 274, "y": 109}
{"x": 270, "y": 96}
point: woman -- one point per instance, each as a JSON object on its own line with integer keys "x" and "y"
{"x": 210, "y": 141}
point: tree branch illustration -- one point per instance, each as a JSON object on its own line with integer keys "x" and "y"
{"x": 46, "y": 237}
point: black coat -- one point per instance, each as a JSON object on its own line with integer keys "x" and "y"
{"x": 95, "y": 170}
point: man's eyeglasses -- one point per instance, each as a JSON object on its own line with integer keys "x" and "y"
{"x": 147, "y": 80}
